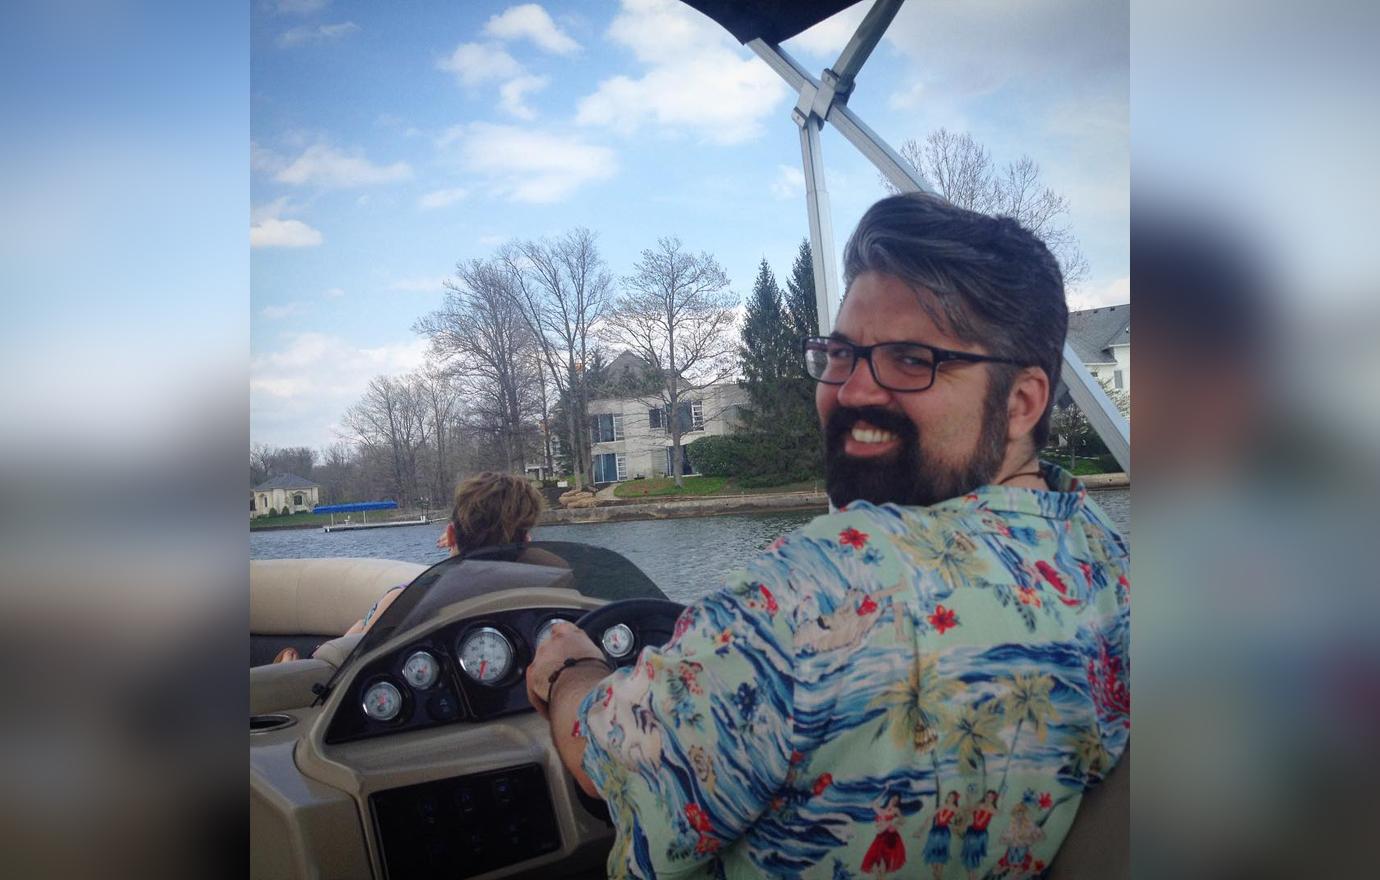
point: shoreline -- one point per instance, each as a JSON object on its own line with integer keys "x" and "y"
{"x": 628, "y": 510}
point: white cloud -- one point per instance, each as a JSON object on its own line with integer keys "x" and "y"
{"x": 417, "y": 285}
{"x": 697, "y": 78}
{"x": 268, "y": 229}
{"x": 333, "y": 293}
{"x": 299, "y": 7}
{"x": 475, "y": 63}
{"x": 1090, "y": 296}
{"x": 287, "y": 310}
{"x": 298, "y": 392}
{"x": 325, "y": 166}
{"x": 830, "y": 36}
{"x": 528, "y": 165}
{"x": 789, "y": 182}
{"x": 442, "y": 197}
{"x": 531, "y": 22}
{"x": 512, "y": 93}
{"x": 320, "y": 33}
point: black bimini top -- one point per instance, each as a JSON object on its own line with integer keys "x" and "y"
{"x": 774, "y": 21}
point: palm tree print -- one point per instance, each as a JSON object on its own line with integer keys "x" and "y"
{"x": 977, "y": 734}
{"x": 949, "y": 551}
{"x": 1027, "y": 700}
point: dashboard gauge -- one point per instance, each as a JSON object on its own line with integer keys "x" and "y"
{"x": 486, "y": 655}
{"x": 421, "y": 670}
{"x": 382, "y": 701}
{"x": 618, "y": 640}
{"x": 545, "y": 629}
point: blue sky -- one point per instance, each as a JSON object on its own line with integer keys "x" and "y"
{"x": 388, "y": 142}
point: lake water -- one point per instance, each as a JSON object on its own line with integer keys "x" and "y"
{"x": 685, "y": 557}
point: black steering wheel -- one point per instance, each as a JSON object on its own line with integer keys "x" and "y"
{"x": 650, "y": 622}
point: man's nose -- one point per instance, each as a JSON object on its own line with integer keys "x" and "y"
{"x": 861, "y": 388}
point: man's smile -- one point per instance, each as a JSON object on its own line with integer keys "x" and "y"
{"x": 868, "y": 441}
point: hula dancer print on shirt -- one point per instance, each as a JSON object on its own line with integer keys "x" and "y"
{"x": 941, "y": 835}
{"x": 887, "y": 852}
{"x": 882, "y": 668}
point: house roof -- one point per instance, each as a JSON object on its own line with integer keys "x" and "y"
{"x": 285, "y": 481}
{"x": 626, "y": 366}
{"x": 1092, "y": 332}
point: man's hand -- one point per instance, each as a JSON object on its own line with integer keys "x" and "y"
{"x": 565, "y": 641}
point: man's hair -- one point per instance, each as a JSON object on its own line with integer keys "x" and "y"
{"x": 996, "y": 282}
{"x": 492, "y": 508}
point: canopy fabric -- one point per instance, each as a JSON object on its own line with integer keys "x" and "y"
{"x": 774, "y": 21}
{"x": 351, "y": 508}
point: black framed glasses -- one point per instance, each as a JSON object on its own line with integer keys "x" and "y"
{"x": 896, "y": 366}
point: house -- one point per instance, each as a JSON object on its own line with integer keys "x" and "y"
{"x": 631, "y": 437}
{"x": 285, "y": 493}
{"x": 1101, "y": 338}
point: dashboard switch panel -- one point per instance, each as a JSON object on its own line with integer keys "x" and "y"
{"x": 466, "y": 825}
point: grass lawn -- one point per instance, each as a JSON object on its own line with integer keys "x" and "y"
{"x": 1083, "y": 467}
{"x": 705, "y": 486}
{"x": 296, "y": 519}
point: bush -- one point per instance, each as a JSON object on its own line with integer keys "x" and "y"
{"x": 273, "y": 511}
{"x": 727, "y": 455}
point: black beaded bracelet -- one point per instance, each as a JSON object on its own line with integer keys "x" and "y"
{"x": 569, "y": 662}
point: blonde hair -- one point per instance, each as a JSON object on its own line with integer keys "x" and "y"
{"x": 492, "y": 508}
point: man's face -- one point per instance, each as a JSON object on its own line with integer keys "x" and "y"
{"x": 915, "y": 448}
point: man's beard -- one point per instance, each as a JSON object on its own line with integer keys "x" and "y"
{"x": 911, "y": 475}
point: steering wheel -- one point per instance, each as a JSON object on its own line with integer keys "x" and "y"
{"x": 648, "y": 622}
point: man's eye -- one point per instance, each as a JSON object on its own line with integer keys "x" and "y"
{"x": 840, "y": 353}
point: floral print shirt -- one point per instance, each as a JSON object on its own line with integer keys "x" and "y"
{"x": 869, "y": 670}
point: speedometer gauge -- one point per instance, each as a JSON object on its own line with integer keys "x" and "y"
{"x": 617, "y": 640}
{"x": 383, "y": 701}
{"x": 421, "y": 670}
{"x": 486, "y": 655}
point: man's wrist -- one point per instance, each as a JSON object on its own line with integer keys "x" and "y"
{"x": 571, "y": 663}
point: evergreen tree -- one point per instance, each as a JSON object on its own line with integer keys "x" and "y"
{"x": 765, "y": 354}
{"x": 800, "y": 420}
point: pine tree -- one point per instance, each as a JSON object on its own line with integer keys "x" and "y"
{"x": 764, "y": 354}
{"x": 800, "y": 419}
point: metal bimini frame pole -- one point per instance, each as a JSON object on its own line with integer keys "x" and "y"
{"x": 826, "y": 100}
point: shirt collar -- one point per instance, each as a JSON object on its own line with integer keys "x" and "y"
{"x": 1064, "y": 497}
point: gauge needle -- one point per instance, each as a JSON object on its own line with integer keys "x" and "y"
{"x": 483, "y": 664}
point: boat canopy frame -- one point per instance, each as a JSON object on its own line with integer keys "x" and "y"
{"x": 762, "y": 26}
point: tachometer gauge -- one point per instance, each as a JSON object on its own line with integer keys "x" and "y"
{"x": 383, "y": 701}
{"x": 618, "y": 640}
{"x": 421, "y": 670}
{"x": 486, "y": 655}
{"x": 545, "y": 629}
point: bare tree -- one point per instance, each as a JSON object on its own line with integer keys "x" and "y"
{"x": 562, "y": 290}
{"x": 963, "y": 172}
{"x": 675, "y": 316}
{"x": 481, "y": 335}
{"x": 388, "y": 421}
{"x": 439, "y": 394}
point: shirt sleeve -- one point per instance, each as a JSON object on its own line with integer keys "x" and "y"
{"x": 689, "y": 746}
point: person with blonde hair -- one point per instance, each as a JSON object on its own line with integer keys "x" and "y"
{"x": 490, "y": 510}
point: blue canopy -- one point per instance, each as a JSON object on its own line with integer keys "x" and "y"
{"x": 351, "y": 508}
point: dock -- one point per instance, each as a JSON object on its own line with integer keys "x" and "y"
{"x": 351, "y": 527}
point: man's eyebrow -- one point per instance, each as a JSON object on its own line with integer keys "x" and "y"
{"x": 836, "y": 336}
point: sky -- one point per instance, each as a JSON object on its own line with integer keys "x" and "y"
{"x": 389, "y": 142}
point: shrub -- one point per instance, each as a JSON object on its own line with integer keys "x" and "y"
{"x": 273, "y": 511}
{"x": 727, "y": 455}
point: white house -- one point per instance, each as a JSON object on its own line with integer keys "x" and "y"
{"x": 285, "y": 493}
{"x": 630, "y": 437}
{"x": 1101, "y": 337}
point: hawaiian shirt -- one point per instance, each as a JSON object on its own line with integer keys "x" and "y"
{"x": 918, "y": 689}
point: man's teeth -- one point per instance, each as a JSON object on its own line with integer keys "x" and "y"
{"x": 865, "y": 435}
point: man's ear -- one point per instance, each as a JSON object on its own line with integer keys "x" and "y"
{"x": 1026, "y": 402}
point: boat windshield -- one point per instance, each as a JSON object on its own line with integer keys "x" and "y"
{"x": 596, "y": 572}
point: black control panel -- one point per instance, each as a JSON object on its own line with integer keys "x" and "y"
{"x": 466, "y": 825}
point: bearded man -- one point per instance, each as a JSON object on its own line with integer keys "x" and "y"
{"x": 959, "y": 623}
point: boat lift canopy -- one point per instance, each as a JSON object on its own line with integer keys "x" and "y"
{"x": 762, "y": 25}
{"x": 356, "y": 506}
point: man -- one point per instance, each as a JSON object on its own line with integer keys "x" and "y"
{"x": 960, "y": 624}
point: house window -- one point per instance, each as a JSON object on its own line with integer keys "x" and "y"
{"x": 606, "y": 427}
{"x": 297, "y": 500}
{"x": 686, "y": 466}
{"x": 610, "y": 467}
{"x": 697, "y": 415}
{"x": 1117, "y": 380}
{"x": 654, "y": 418}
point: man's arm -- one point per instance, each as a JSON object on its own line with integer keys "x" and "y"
{"x": 570, "y": 689}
